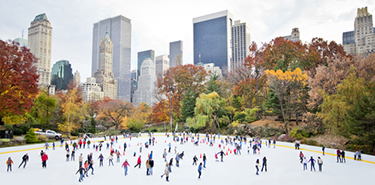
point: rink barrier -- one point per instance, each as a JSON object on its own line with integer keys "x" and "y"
{"x": 98, "y": 141}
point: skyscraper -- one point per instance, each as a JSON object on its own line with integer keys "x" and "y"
{"x": 361, "y": 41}
{"x": 175, "y": 52}
{"x": 143, "y": 55}
{"x": 61, "y": 74}
{"x": 212, "y": 39}
{"x": 161, "y": 65}
{"x": 104, "y": 75}
{"x": 240, "y": 44}
{"x": 133, "y": 84}
{"x": 119, "y": 31}
{"x": 146, "y": 81}
{"x": 40, "y": 44}
{"x": 77, "y": 78}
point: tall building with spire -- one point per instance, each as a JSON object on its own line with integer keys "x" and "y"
{"x": 119, "y": 31}
{"x": 40, "y": 44}
{"x": 361, "y": 41}
{"x": 104, "y": 76}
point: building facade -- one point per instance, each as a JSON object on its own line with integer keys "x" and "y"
{"x": 133, "y": 84}
{"x": 119, "y": 31}
{"x": 240, "y": 44}
{"x": 104, "y": 76}
{"x": 61, "y": 74}
{"x": 212, "y": 39}
{"x": 161, "y": 65}
{"x": 142, "y": 56}
{"x": 40, "y": 44}
{"x": 211, "y": 70}
{"x": 21, "y": 41}
{"x": 91, "y": 90}
{"x": 77, "y": 78}
{"x": 175, "y": 53}
{"x": 294, "y": 36}
{"x": 361, "y": 41}
{"x": 146, "y": 84}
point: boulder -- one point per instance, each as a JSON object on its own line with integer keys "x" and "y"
{"x": 282, "y": 136}
{"x": 18, "y": 141}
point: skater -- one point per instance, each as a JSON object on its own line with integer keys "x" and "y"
{"x": 150, "y": 156}
{"x": 274, "y": 143}
{"x": 255, "y": 147}
{"x": 110, "y": 160}
{"x": 80, "y": 159}
{"x": 44, "y": 160}
{"x": 125, "y": 145}
{"x": 204, "y": 160}
{"x": 101, "y": 158}
{"x": 343, "y": 156}
{"x": 9, "y": 164}
{"x": 177, "y": 160}
{"x": 165, "y": 155}
{"x": 25, "y": 158}
{"x": 320, "y": 164}
{"x": 257, "y": 166}
{"x": 147, "y": 167}
{"x": 195, "y": 159}
{"x": 221, "y": 155}
{"x": 73, "y": 158}
{"x": 91, "y": 166}
{"x": 53, "y": 145}
{"x": 170, "y": 164}
{"x": 118, "y": 156}
{"x": 81, "y": 171}
{"x": 323, "y": 149}
{"x": 166, "y": 172}
{"x": 86, "y": 166}
{"x": 170, "y": 146}
{"x": 355, "y": 155}
{"x": 304, "y": 163}
{"x": 338, "y": 152}
{"x": 67, "y": 155}
{"x": 125, "y": 165}
{"x": 199, "y": 170}
{"x": 301, "y": 156}
{"x": 264, "y": 164}
{"x": 151, "y": 162}
{"x": 46, "y": 145}
{"x": 138, "y": 162}
{"x": 312, "y": 163}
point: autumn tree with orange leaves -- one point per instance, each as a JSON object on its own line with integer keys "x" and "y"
{"x": 114, "y": 110}
{"x": 18, "y": 79}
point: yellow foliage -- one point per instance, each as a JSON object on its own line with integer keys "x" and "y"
{"x": 14, "y": 119}
{"x": 235, "y": 123}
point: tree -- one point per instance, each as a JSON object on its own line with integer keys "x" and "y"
{"x": 159, "y": 112}
{"x": 290, "y": 90}
{"x": 43, "y": 109}
{"x": 18, "y": 79}
{"x": 187, "y": 105}
{"x": 31, "y": 136}
{"x": 178, "y": 80}
{"x": 115, "y": 110}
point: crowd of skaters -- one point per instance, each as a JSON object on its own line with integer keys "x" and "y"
{"x": 238, "y": 142}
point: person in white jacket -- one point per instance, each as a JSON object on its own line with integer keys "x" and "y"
{"x": 110, "y": 158}
{"x": 166, "y": 172}
{"x": 304, "y": 161}
{"x": 320, "y": 164}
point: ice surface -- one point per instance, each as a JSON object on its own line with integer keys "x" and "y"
{"x": 283, "y": 166}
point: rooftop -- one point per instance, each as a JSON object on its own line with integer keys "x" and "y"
{"x": 41, "y": 17}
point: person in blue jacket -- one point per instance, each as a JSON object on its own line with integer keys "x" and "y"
{"x": 312, "y": 163}
{"x": 199, "y": 170}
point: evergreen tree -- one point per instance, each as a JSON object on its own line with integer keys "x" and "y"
{"x": 31, "y": 136}
{"x": 188, "y": 105}
{"x": 212, "y": 84}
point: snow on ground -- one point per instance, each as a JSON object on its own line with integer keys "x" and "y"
{"x": 283, "y": 166}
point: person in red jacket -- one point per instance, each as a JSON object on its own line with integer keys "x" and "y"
{"x": 138, "y": 162}
{"x": 44, "y": 160}
{"x": 338, "y": 152}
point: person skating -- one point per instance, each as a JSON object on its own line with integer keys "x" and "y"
{"x": 138, "y": 162}
{"x": 221, "y": 155}
{"x": 118, "y": 156}
{"x": 151, "y": 162}
{"x": 110, "y": 160}
{"x": 86, "y": 166}
{"x": 320, "y": 164}
{"x": 67, "y": 155}
{"x": 195, "y": 159}
{"x": 257, "y": 166}
{"x": 91, "y": 166}
{"x": 166, "y": 172}
{"x": 125, "y": 146}
{"x": 9, "y": 164}
{"x": 81, "y": 171}
{"x": 199, "y": 170}
{"x": 101, "y": 158}
{"x": 204, "y": 160}
{"x": 338, "y": 152}
{"x": 304, "y": 163}
{"x": 264, "y": 164}
{"x": 170, "y": 146}
{"x": 44, "y": 160}
{"x": 147, "y": 167}
{"x": 125, "y": 165}
{"x": 301, "y": 156}
{"x": 343, "y": 156}
{"x": 312, "y": 163}
{"x": 80, "y": 159}
{"x": 170, "y": 164}
{"x": 73, "y": 156}
{"x": 165, "y": 155}
{"x": 25, "y": 158}
{"x": 323, "y": 149}
{"x": 47, "y": 145}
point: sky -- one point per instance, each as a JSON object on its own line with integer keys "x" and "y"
{"x": 156, "y": 23}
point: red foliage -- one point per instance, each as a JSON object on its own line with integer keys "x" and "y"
{"x": 18, "y": 79}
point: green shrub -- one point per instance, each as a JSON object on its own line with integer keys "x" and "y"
{"x": 298, "y": 133}
{"x": 42, "y": 138}
{"x": 25, "y": 127}
{"x": 18, "y": 131}
{"x": 8, "y": 126}
{"x": 31, "y": 136}
{"x": 240, "y": 117}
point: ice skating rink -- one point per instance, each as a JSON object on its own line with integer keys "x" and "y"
{"x": 283, "y": 165}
